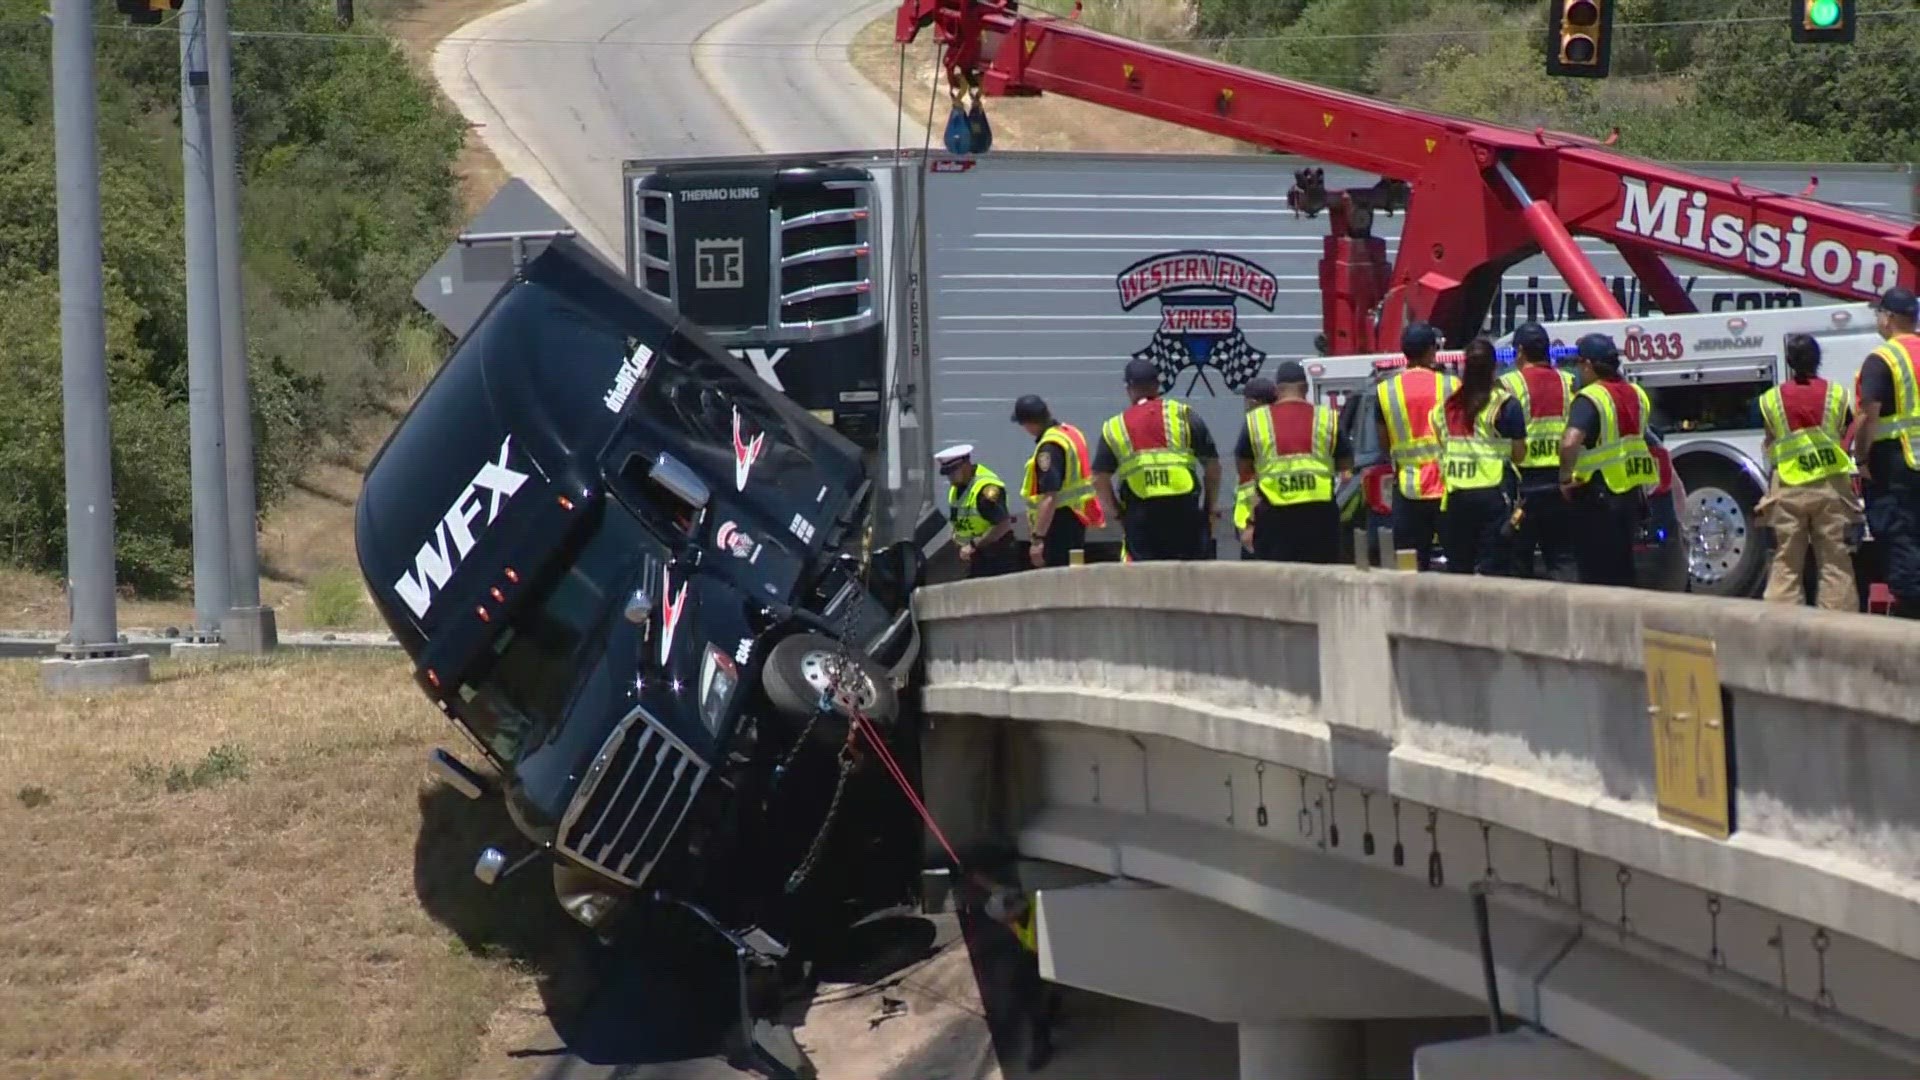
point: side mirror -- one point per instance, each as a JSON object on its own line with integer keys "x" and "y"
{"x": 639, "y": 607}
{"x": 676, "y": 478}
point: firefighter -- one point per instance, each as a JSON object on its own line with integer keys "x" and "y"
{"x": 977, "y": 507}
{"x": 1541, "y": 515}
{"x": 1290, "y": 452}
{"x": 1058, "y": 488}
{"x": 1810, "y": 499}
{"x": 1257, "y": 394}
{"x": 1606, "y": 464}
{"x": 1406, "y": 407}
{"x": 1158, "y": 467}
{"x": 1483, "y": 431}
{"x": 1886, "y": 445}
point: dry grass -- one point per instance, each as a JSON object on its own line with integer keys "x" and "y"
{"x": 300, "y": 909}
{"x": 1048, "y": 122}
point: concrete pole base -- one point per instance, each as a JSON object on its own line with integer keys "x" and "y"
{"x": 182, "y": 650}
{"x": 67, "y": 674}
{"x": 250, "y": 630}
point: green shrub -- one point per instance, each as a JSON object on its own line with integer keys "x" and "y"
{"x": 335, "y": 599}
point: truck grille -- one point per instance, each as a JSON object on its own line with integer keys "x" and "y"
{"x": 825, "y": 255}
{"x": 631, "y": 803}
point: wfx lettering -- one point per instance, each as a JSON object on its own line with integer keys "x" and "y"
{"x": 453, "y": 538}
{"x": 763, "y": 361}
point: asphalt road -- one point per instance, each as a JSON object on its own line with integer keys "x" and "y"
{"x": 565, "y": 90}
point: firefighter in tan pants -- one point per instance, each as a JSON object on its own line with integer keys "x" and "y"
{"x": 1810, "y": 502}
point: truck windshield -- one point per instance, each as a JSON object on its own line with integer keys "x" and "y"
{"x": 513, "y": 701}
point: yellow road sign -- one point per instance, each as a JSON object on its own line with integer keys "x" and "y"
{"x": 1691, "y": 740}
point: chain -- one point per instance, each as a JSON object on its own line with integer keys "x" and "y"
{"x": 1260, "y": 782}
{"x": 1436, "y": 870}
{"x": 1366, "y": 822}
{"x": 1333, "y": 814}
{"x": 1486, "y": 844}
{"x": 1625, "y": 877}
{"x": 1553, "y": 882}
{"x": 805, "y": 869}
{"x": 1229, "y": 798}
{"x": 1306, "y": 815}
{"x": 1823, "y": 997}
{"x": 1715, "y": 958}
{"x": 1399, "y": 849}
{"x": 1778, "y": 943}
{"x": 1096, "y": 783}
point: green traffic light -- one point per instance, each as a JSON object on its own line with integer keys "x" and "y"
{"x": 1823, "y": 14}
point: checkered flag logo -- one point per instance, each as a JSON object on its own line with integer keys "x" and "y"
{"x": 1233, "y": 356}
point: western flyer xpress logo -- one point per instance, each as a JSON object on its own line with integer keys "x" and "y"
{"x": 1199, "y": 294}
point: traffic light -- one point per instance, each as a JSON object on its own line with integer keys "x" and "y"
{"x": 146, "y": 12}
{"x": 1580, "y": 38}
{"x": 1822, "y": 22}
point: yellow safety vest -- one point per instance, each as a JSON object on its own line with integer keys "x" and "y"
{"x": 1293, "y": 479}
{"x": 1076, "y": 483}
{"x": 1807, "y": 455}
{"x": 1023, "y": 929}
{"x": 1477, "y": 461}
{"x": 1904, "y": 422}
{"x": 1412, "y": 451}
{"x": 1623, "y": 461}
{"x": 963, "y": 505}
{"x": 1243, "y": 503}
{"x": 1151, "y": 474}
{"x": 1543, "y": 432}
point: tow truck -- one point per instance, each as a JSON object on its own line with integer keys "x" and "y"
{"x": 1498, "y": 196}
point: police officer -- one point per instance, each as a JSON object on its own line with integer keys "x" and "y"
{"x": 1606, "y": 464}
{"x": 1810, "y": 499}
{"x": 1257, "y": 394}
{"x": 1157, "y": 464}
{"x": 1058, "y": 488}
{"x": 1482, "y": 432}
{"x": 977, "y": 507}
{"x": 1544, "y": 394}
{"x": 1406, "y": 408}
{"x": 1290, "y": 451}
{"x": 1886, "y": 445}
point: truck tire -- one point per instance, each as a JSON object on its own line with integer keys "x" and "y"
{"x": 1726, "y": 548}
{"x": 801, "y": 667}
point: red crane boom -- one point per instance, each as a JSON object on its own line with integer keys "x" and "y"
{"x": 1502, "y": 194}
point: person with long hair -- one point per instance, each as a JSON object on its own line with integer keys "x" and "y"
{"x": 1809, "y": 501}
{"x": 1483, "y": 433}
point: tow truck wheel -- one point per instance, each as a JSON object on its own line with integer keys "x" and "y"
{"x": 1726, "y": 550}
{"x": 804, "y": 666}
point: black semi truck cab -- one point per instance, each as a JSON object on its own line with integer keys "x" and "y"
{"x": 635, "y": 577}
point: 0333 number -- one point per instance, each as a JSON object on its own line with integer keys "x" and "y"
{"x": 1666, "y": 346}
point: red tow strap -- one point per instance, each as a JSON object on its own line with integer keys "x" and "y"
{"x": 899, "y": 775}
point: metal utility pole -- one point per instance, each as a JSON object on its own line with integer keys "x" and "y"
{"x": 92, "y": 657}
{"x": 212, "y": 574}
{"x": 247, "y": 627}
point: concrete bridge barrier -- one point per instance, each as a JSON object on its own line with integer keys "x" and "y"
{"x": 1508, "y": 702}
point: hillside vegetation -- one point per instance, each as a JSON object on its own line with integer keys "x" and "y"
{"x": 349, "y": 194}
{"x": 1692, "y": 80}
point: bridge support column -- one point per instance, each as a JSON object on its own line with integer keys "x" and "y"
{"x": 1301, "y": 1050}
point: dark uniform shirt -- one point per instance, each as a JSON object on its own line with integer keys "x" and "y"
{"x": 1050, "y": 471}
{"x": 1876, "y": 382}
{"x": 1199, "y": 438}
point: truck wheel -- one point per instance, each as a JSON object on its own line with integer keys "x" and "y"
{"x": 1726, "y": 549}
{"x": 800, "y": 668}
